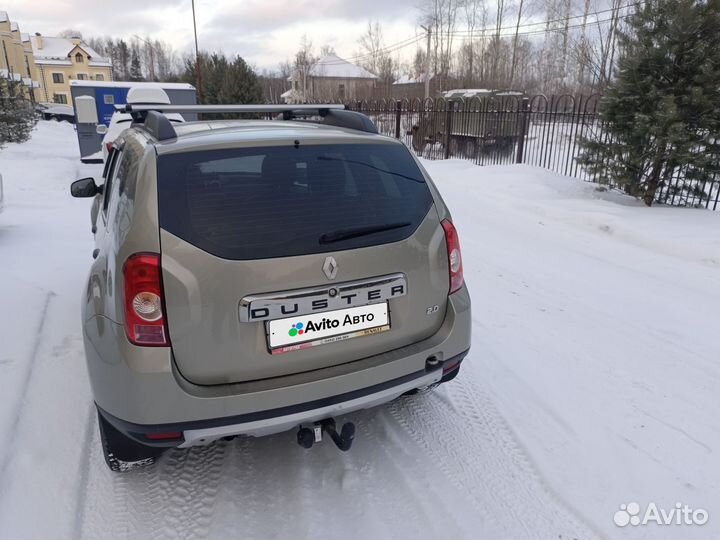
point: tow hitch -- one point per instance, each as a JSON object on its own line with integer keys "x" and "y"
{"x": 306, "y": 437}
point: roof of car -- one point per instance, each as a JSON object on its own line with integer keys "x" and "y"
{"x": 230, "y": 133}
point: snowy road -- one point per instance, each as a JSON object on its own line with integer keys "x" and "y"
{"x": 592, "y": 382}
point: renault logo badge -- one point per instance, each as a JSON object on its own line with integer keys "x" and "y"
{"x": 330, "y": 267}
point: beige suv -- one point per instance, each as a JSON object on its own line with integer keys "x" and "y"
{"x": 257, "y": 276}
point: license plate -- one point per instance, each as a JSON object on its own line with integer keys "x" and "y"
{"x": 303, "y": 331}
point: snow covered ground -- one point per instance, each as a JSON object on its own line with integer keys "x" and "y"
{"x": 592, "y": 383}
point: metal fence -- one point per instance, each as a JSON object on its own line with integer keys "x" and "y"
{"x": 507, "y": 129}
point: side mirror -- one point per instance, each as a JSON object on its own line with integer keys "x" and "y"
{"x": 101, "y": 129}
{"x": 85, "y": 187}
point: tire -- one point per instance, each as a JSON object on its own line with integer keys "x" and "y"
{"x": 121, "y": 453}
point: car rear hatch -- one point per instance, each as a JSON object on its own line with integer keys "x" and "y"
{"x": 284, "y": 259}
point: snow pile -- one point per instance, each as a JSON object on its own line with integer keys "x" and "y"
{"x": 596, "y": 331}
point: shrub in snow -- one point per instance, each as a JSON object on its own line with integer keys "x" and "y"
{"x": 660, "y": 115}
{"x": 17, "y": 115}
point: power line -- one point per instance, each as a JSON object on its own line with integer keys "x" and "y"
{"x": 385, "y": 50}
{"x": 554, "y": 30}
{"x": 492, "y": 29}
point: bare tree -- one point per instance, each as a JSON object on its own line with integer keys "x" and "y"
{"x": 475, "y": 13}
{"x": 442, "y": 15}
{"x": 499, "y": 16}
{"x": 418, "y": 62}
{"x": 305, "y": 61}
{"x": 285, "y": 69}
{"x": 596, "y": 52}
{"x": 371, "y": 45}
{"x": 567, "y": 5}
{"x": 69, "y": 33}
{"x": 327, "y": 49}
{"x": 582, "y": 47}
{"x": 513, "y": 63}
{"x": 612, "y": 42}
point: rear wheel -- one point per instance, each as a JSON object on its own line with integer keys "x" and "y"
{"x": 121, "y": 453}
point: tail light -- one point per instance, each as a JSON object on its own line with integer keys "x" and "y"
{"x": 144, "y": 318}
{"x": 108, "y": 146}
{"x": 454, "y": 256}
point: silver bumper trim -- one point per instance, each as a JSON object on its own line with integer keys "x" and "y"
{"x": 260, "y": 428}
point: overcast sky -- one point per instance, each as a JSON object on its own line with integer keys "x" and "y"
{"x": 264, "y": 32}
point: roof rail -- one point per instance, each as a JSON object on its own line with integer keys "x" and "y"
{"x": 162, "y": 129}
{"x": 237, "y": 109}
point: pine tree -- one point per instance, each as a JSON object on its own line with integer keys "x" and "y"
{"x": 660, "y": 115}
{"x": 121, "y": 64}
{"x": 17, "y": 116}
{"x": 135, "y": 70}
{"x": 240, "y": 85}
{"x": 224, "y": 82}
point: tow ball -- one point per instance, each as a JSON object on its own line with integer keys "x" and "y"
{"x": 306, "y": 437}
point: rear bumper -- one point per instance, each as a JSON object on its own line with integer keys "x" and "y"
{"x": 261, "y": 423}
{"x": 139, "y": 390}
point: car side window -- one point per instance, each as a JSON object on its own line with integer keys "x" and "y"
{"x": 110, "y": 179}
{"x": 121, "y": 174}
{"x": 108, "y": 162}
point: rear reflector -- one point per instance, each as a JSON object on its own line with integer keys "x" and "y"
{"x": 144, "y": 318}
{"x": 454, "y": 256}
{"x": 164, "y": 436}
{"x": 448, "y": 367}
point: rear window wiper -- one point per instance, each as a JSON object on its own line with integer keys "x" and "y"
{"x": 370, "y": 165}
{"x": 345, "y": 234}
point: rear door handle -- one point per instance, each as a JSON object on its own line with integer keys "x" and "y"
{"x": 96, "y": 252}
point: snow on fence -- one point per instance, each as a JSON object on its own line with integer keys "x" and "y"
{"x": 505, "y": 129}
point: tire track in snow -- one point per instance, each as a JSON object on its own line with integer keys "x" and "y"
{"x": 24, "y": 385}
{"x": 116, "y": 505}
{"x": 189, "y": 481}
{"x": 453, "y": 458}
{"x": 422, "y": 503}
{"x": 84, "y": 474}
{"x": 175, "y": 498}
{"x": 462, "y": 431}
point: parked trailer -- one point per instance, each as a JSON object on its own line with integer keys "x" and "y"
{"x": 471, "y": 122}
{"x": 95, "y": 102}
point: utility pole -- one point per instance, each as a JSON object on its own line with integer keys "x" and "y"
{"x": 198, "y": 67}
{"x": 427, "y": 29}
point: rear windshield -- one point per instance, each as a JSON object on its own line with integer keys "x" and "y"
{"x": 258, "y": 203}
